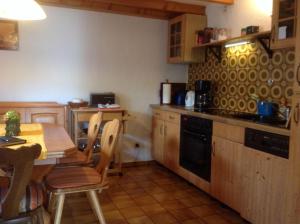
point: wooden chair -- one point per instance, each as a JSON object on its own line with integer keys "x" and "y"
{"x": 21, "y": 202}
{"x": 85, "y": 179}
{"x": 83, "y": 158}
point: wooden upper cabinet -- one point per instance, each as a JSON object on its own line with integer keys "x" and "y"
{"x": 182, "y": 38}
{"x": 284, "y": 23}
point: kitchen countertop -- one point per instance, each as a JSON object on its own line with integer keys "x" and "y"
{"x": 226, "y": 120}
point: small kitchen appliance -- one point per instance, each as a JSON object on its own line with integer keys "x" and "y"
{"x": 190, "y": 99}
{"x": 203, "y": 96}
{"x": 169, "y": 91}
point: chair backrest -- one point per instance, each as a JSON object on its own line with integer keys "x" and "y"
{"x": 109, "y": 141}
{"x": 22, "y": 161}
{"x": 93, "y": 131}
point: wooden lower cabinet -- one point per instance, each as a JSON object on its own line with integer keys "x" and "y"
{"x": 171, "y": 146}
{"x": 226, "y": 172}
{"x": 263, "y": 187}
{"x": 158, "y": 140}
{"x": 166, "y": 138}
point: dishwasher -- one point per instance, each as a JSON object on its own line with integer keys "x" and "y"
{"x": 274, "y": 144}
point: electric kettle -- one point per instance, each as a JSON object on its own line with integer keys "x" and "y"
{"x": 190, "y": 99}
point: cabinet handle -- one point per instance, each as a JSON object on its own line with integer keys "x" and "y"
{"x": 171, "y": 117}
{"x": 273, "y": 34}
{"x": 297, "y": 74}
{"x": 214, "y": 149}
{"x": 296, "y": 113}
{"x": 157, "y": 114}
{"x": 165, "y": 131}
{"x": 161, "y": 130}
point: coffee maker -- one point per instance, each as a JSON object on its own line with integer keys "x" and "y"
{"x": 203, "y": 97}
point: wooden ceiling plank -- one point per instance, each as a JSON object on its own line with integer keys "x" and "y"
{"x": 225, "y": 2}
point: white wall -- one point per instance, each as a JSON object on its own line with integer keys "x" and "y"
{"x": 73, "y": 53}
{"x": 242, "y": 14}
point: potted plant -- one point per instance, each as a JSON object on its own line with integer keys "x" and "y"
{"x": 12, "y": 121}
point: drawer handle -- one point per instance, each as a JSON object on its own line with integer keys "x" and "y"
{"x": 297, "y": 74}
{"x": 296, "y": 113}
{"x": 171, "y": 117}
{"x": 157, "y": 114}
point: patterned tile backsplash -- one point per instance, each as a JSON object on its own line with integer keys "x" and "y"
{"x": 245, "y": 70}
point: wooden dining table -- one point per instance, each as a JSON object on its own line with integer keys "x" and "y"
{"x": 55, "y": 143}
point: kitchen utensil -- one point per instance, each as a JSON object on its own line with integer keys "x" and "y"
{"x": 190, "y": 99}
{"x": 266, "y": 109}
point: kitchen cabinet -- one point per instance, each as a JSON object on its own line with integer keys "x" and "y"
{"x": 226, "y": 172}
{"x": 293, "y": 189}
{"x": 263, "y": 187}
{"x": 226, "y": 164}
{"x": 182, "y": 38}
{"x": 284, "y": 23}
{"x": 297, "y": 57}
{"x": 158, "y": 140}
{"x": 166, "y": 137}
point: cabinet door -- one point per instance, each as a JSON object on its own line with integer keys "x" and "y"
{"x": 158, "y": 140}
{"x": 263, "y": 187}
{"x": 225, "y": 173}
{"x": 293, "y": 197}
{"x": 297, "y": 56}
{"x": 284, "y": 23}
{"x": 171, "y": 144}
{"x": 176, "y": 44}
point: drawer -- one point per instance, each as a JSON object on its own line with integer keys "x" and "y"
{"x": 229, "y": 132}
{"x": 107, "y": 116}
{"x": 159, "y": 114}
{"x": 172, "y": 117}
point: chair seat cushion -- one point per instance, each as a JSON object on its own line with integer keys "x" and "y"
{"x": 72, "y": 177}
{"x": 33, "y": 198}
{"x": 77, "y": 158}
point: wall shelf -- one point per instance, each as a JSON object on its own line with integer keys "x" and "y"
{"x": 216, "y": 47}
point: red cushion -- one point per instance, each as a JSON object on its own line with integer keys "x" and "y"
{"x": 72, "y": 177}
{"x": 33, "y": 198}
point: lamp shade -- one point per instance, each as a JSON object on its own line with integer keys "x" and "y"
{"x": 21, "y": 10}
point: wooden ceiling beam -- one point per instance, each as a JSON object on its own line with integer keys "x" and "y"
{"x": 224, "y": 2}
{"x": 159, "y": 9}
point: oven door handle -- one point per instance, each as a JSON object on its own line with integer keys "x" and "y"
{"x": 201, "y": 136}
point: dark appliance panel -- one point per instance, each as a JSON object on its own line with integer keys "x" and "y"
{"x": 195, "y": 145}
{"x": 274, "y": 144}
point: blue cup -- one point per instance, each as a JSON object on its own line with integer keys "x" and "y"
{"x": 265, "y": 108}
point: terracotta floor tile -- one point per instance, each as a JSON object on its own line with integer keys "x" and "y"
{"x": 154, "y": 190}
{"x": 163, "y": 218}
{"x": 202, "y": 211}
{"x": 140, "y": 220}
{"x": 232, "y": 217}
{"x": 151, "y": 209}
{"x": 193, "y": 221}
{"x": 172, "y": 205}
{"x": 183, "y": 214}
{"x": 145, "y": 200}
{"x": 126, "y": 203}
{"x": 147, "y": 184}
{"x": 191, "y": 202}
{"x": 164, "y": 197}
{"x": 114, "y": 215}
{"x": 215, "y": 219}
{"x": 132, "y": 212}
{"x": 108, "y": 206}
